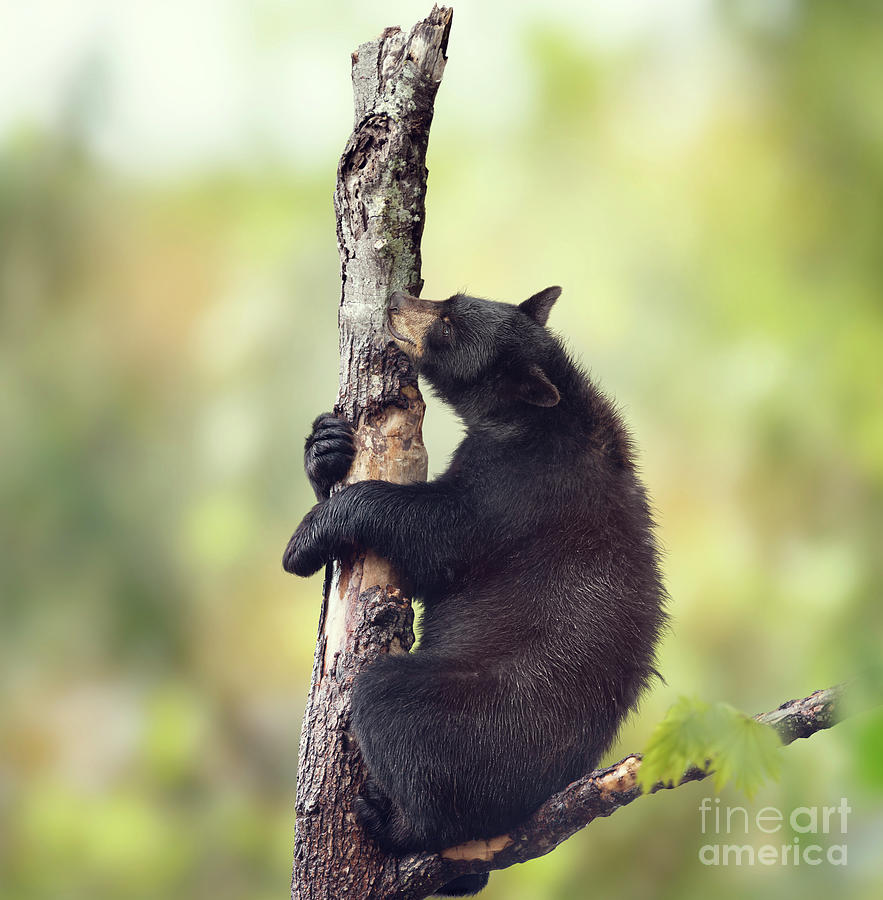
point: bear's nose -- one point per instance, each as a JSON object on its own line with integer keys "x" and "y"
{"x": 395, "y": 301}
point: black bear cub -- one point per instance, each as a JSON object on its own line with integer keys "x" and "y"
{"x": 534, "y": 557}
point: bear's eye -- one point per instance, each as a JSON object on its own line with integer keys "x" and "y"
{"x": 446, "y": 328}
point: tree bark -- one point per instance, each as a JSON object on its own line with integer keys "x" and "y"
{"x": 379, "y": 201}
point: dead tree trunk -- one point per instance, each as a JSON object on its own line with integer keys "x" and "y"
{"x": 379, "y": 201}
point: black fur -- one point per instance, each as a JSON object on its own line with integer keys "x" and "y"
{"x": 328, "y": 453}
{"x": 534, "y": 557}
{"x": 464, "y": 886}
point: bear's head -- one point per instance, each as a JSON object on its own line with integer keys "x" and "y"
{"x": 485, "y": 358}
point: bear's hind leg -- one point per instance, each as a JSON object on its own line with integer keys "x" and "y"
{"x": 372, "y": 807}
{"x": 412, "y": 720}
{"x": 390, "y": 830}
{"x": 385, "y": 823}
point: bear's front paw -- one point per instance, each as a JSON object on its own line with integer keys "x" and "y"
{"x": 307, "y": 551}
{"x": 329, "y": 452}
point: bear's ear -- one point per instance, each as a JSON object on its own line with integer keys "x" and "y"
{"x": 538, "y": 306}
{"x": 535, "y": 388}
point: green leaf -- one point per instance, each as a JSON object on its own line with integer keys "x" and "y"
{"x": 738, "y": 748}
{"x": 677, "y": 741}
{"x": 748, "y": 753}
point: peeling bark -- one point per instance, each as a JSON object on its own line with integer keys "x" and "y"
{"x": 379, "y": 201}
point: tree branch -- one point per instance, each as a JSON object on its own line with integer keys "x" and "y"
{"x": 598, "y": 794}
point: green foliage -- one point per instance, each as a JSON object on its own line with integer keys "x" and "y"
{"x": 736, "y": 747}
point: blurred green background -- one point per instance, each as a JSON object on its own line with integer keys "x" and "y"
{"x": 705, "y": 179}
